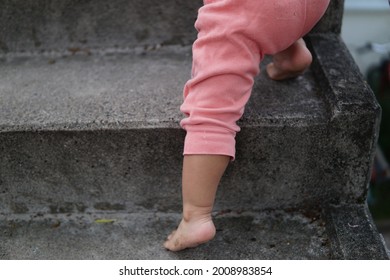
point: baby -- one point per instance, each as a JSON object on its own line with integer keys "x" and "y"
{"x": 233, "y": 37}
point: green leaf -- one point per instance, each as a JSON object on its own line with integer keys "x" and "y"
{"x": 104, "y": 221}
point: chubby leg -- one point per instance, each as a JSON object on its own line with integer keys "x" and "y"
{"x": 233, "y": 36}
{"x": 201, "y": 176}
{"x": 290, "y": 62}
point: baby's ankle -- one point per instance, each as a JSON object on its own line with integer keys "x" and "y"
{"x": 189, "y": 234}
{"x": 195, "y": 214}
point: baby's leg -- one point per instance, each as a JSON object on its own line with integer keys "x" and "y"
{"x": 226, "y": 58}
{"x": 201, "y": 176}
{"x": 290, "y": 62}
{"x": 224, "y": 63}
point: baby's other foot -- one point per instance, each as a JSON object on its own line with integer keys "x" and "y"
{"x": 190, "y": 234}
{"x": 291, "y": 62}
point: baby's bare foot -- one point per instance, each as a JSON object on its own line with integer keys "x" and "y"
{"x": 190, "y": 234}
{"x": 290, "y": 62}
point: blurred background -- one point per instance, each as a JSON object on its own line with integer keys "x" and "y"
{"x": 366, "y": 31}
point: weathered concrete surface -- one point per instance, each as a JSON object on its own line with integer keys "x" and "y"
{"x": 268, "y": 235}
{"x": 339, "y": 233}
{"x": 352, "y": 234}
{"x": 136, "y": 89}
{"x": 60, "y": 25}
{"x": 139, "y": 89}
{"x": 86, "y": 131}
{"x": 73, "y": 25}
{"x": 105, "y": 130}
{"x": 89, "y": 116}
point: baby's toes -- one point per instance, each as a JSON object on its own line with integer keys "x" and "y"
{"x": 171, "y": 235}
{"x": 173, "y": 244}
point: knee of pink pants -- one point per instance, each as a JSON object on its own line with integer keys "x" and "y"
{"x": 233, "y": 36}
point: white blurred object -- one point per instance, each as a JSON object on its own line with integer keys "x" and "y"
{"x": 381, "y": 48}
{"x": 374, "y": 47}
{"x": 366, "y": 5}
{"x": 366, "y": 31}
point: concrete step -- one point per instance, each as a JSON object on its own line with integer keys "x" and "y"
{"x": 337, "y": 234}
{"x": 101, "y": 132}
{"x": 71, "y": 25}
{"x": 59, "y": 25}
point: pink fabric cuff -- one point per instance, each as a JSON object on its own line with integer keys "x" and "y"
{"x": 208, "y": 142}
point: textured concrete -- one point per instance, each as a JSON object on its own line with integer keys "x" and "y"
{"x": 352, "y": 234}
{"x": 268, "y": 235}
{"x": 73, "y": 25}
{"x": 340, "y": 233}
{"x": 104, "y": 130}
{"x": 136, "y": 89}
{"x": 89, "y": 111}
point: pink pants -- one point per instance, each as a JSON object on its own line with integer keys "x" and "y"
{"x": 233, "y": 37}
